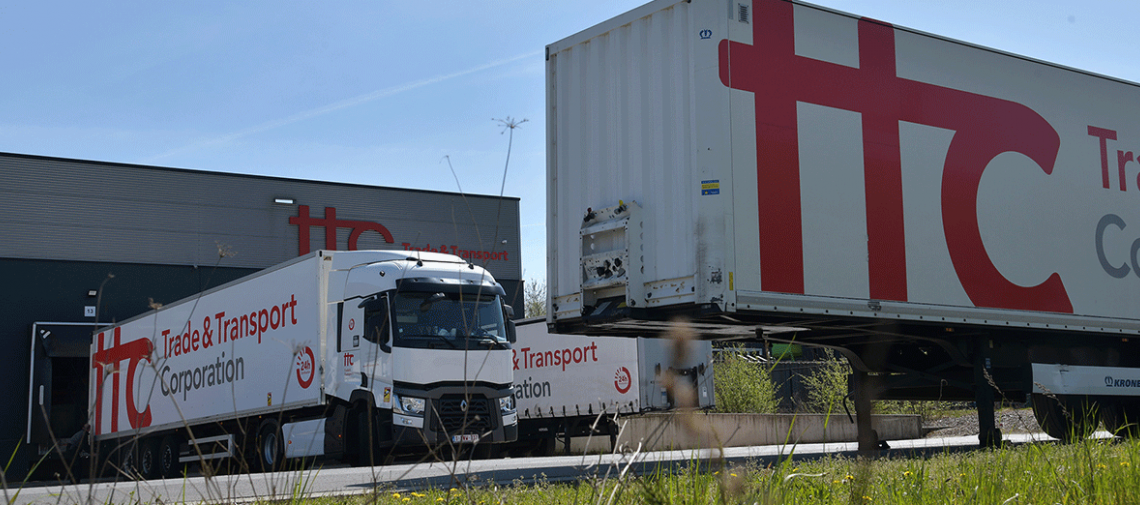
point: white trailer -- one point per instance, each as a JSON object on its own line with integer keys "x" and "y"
{"x": 943, "y": 214}
{"x": 576, "y": 385}
{"x": 334, "y": 354}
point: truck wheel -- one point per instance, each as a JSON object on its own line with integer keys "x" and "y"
{"x": 365, "y": 455}
{"x": 1121, "y": 418}
{"x": 546, "y": 447}
{"x": 148, "y": 458}
{"x": 270, "y": 445}
{"x": 487, "y": 451}
{"x": 168, "y": 466}
{"x": 128, "y": 459}
{"x": 1063, "y": 417}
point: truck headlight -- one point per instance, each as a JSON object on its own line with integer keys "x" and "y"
{"x": 507, "y": 403}
{"x": 409, "y": 405}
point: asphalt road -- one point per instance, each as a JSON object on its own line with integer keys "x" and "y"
{"x": 340, "y": 480}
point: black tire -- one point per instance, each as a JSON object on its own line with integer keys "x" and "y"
{"x": 1065, "y": 418}
{"x": 167, "y": 464}
{"x": 128, "y": 459}
{"x": 546, "y": 447}
{"x": 1121, "y": 417}
{"x": 488, "y": 451}
{"x": 147, "y": 458}
{"x": 362, "y": 434}
{"x": 270, "y": 446}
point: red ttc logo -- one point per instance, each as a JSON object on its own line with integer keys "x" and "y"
{"x": 984, "y": 128}
{"x": 107, "y": 362}
{"x": 330, "y": 223}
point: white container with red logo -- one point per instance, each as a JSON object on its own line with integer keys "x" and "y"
{"x": 560, "y": 376}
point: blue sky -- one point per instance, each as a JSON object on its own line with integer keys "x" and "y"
{"x": 379, "y": 92}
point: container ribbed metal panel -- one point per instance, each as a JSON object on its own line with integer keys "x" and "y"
{"x": 63, "y": 209}
{"x": 620, "y": 123}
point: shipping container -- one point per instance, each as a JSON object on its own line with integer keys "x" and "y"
{"x": 942, "y": 214}
{"x": 577, "y": 385}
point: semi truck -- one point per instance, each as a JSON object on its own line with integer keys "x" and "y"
{"x": 576, "y": 385}
{"x": 335, "y": 354}
{"x": 957, "y": 221}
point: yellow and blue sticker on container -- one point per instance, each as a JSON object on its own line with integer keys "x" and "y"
{"x": 710, "y": 187}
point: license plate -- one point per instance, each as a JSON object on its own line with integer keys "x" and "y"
{"x": 465, "y": 438}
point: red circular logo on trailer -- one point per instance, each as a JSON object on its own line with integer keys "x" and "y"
{"x": 622, "y": 380}
{"x": 306, "y": 367}
{"x": 351, "y": 324}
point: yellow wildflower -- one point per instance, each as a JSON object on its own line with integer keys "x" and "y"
{"x": 866, "y": 498}
{"x": 418, "y": 495}
{"x": 849, "y": 477}
{"x": 1125, "y": 463}
{"x": 395, "y": 495}
{"x": 908, "y": 473}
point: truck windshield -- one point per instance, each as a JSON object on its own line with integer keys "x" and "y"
{"x": 453, "y": 319}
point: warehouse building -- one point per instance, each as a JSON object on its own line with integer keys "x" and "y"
{"x": 86, "y": 243}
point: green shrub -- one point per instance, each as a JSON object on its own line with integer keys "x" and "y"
{"x": 827, "y": 386}
{"x": 742, "y": 386}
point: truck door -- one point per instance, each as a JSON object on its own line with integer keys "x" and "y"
{"x": 372, "y": 355}
{"x": 351, "y": 324}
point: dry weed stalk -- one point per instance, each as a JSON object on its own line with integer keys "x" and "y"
{"x": 695, "y": 425}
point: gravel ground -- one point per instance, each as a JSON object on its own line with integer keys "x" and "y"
{"x": 1008, "y": 421}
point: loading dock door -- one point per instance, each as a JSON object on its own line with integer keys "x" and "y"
{"x": 58, "y": 381}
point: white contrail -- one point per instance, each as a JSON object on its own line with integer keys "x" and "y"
{"x": 343, "y": 104}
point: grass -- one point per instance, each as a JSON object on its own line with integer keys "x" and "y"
{"x": 1091, "y": 471}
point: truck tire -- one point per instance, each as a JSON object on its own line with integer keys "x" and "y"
{"x": 168, "y": 466}
{"x": 362, "y": 434}
{"x": 487, "y": 451}
{"x": 128, "y": 459}
{"x": 1063, "y": 417}
{"x": 1121, "y": 417}
{"x": 270, "y": 446}
{"x": 147, "y": 458}
{"x": 546, "y": 447}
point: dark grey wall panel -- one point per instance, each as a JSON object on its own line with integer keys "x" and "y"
{"x": 93, "y": 211}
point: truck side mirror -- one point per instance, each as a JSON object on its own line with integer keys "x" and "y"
{"x": 509, "y": 311}
{"x": 377, "y": 328}
{"x": 511, "y": 331}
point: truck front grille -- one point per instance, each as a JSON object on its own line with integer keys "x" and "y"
{"x": 452, "y": 419}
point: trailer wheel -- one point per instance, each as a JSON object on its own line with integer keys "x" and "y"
{"x": 270, "y": 445}
{"x": 128, "y": 459}
{"x": 1121, "y": 417}
{"x": 147, "y": 458}
{"x": 168, "y": 466}
{"x": 1063, "y": 417}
